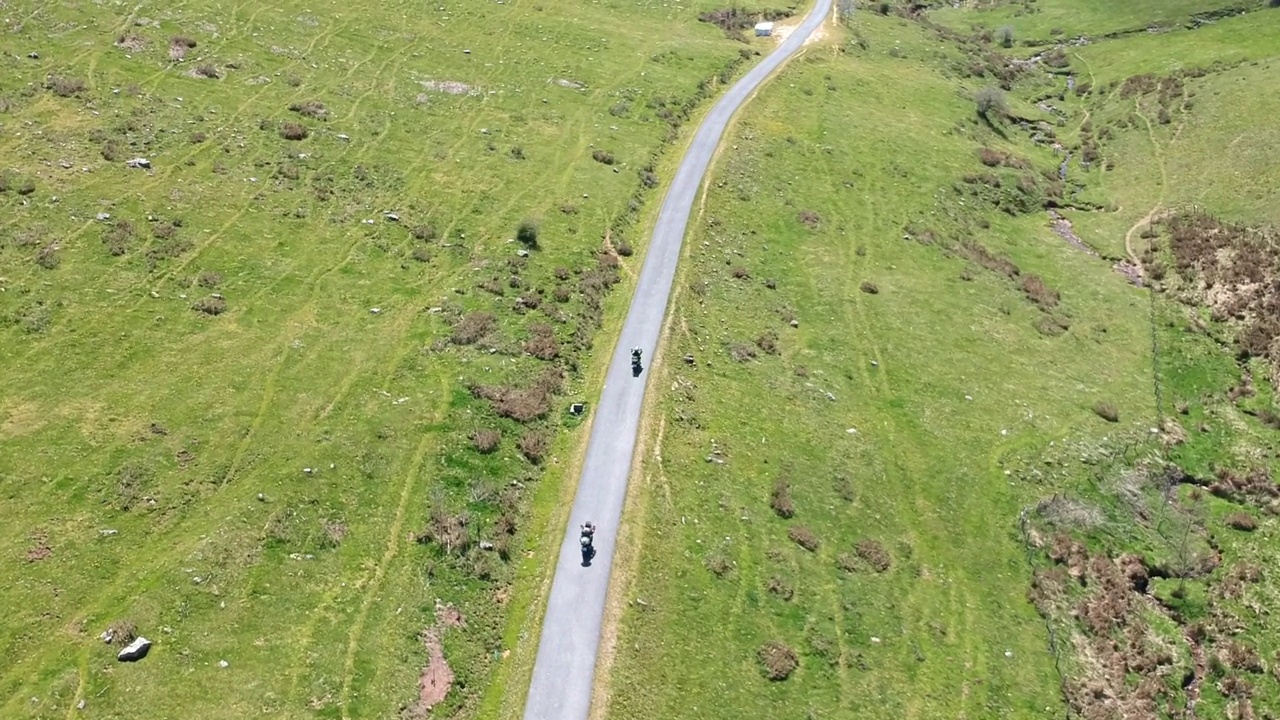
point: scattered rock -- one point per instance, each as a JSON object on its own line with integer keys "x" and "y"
{"x": 135, "y": 650}
{"x": 689, "y": 360}
{"x": 1062, "y": 228}
{"x": 223, "y": 664}
{"x": 142, "y": 163}
{"x": 392, "y": 217}
{"x": 108, "y": 533}
{"x": 1130, "y": 271}
{"x": 450, "y": 87}
{"x": 374, "y": 311}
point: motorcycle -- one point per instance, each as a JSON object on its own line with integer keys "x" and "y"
{"x": 586, "y": 540}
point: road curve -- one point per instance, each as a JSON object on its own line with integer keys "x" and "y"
{"x": 564, "y": 670}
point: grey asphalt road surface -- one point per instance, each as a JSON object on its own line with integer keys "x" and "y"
{"x": 564, "y": 670}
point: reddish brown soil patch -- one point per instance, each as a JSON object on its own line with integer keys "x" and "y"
{"x": 437, "y": 677}
{"x": 448, "y": 616}
{"x": 40, "y": 548}
{"x": 131, "y": 42}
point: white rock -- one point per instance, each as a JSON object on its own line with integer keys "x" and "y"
{"x": 135, "y": 650}
{"x": 223, "y": 664}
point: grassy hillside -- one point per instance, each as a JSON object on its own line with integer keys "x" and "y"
{"x": 907, "y": 388}
{"x": 241, "y": 382}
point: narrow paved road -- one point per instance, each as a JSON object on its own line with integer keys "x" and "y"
{"x": 565, "y": 667}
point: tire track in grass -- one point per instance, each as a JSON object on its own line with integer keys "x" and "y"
{"x": 389, "y": 372}
{"x": 108, "y": 598}
{"x": 274, "y": 372}
{"x": 857, "y": 316}
{"x": 375, "y": 85}
{"x": 192, "y": 256}
{"x": 394, "y": 533}
{"x": 127, "y": 586}
{"x": 95, "y": 51}
{"x": 400, "y": 329}
{"x": 82, "y": 671}
{"x": 843, "y": 658}
{"x": 165, "y": 177}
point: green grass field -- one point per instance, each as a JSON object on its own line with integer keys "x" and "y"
{"x": 1042, "y": 21}
{"x": 244, "y": 482}
{"x": 922, "y": 401}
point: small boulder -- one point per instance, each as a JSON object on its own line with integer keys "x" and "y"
{"x": 142, "y": 163}
{"x": 135, "y": 650}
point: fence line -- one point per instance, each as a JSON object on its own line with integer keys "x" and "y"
{"x": 1055, "y": 646}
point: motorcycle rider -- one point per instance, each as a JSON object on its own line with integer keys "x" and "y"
{"x": 588, "y": 551}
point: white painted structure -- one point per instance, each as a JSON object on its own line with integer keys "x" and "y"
{"x": 764, "y": 29}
